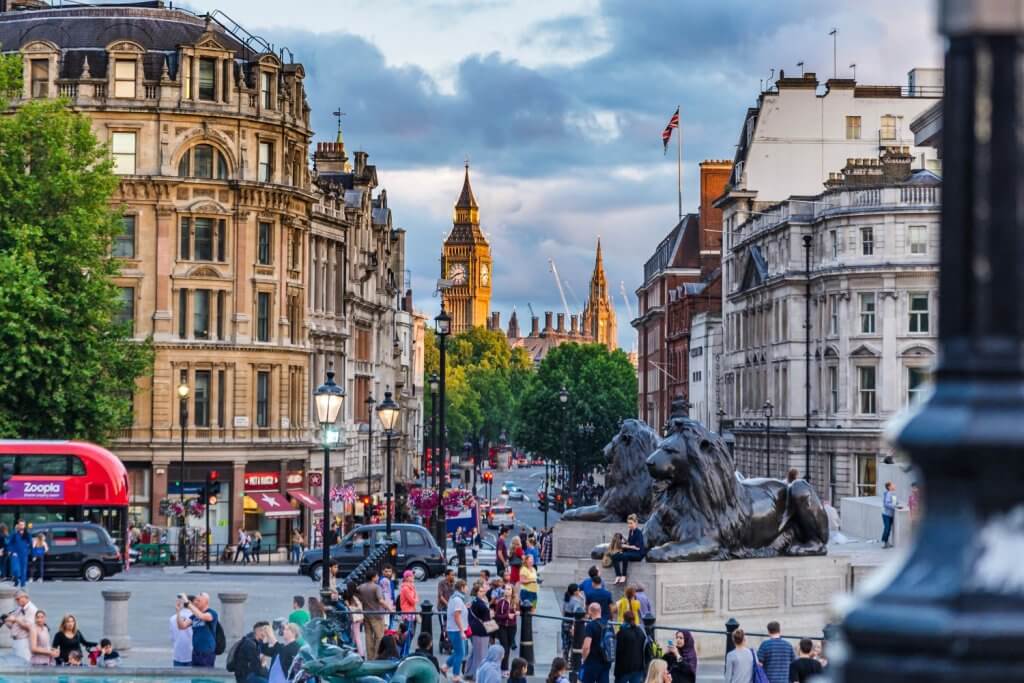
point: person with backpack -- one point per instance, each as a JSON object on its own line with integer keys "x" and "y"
{"x": 597, "y": 660}
{"x": 244, "y": 657}
{"x": 207, "y": 633}
{"x": 630, "y": 662}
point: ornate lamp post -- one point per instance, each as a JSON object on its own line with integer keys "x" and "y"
{"x": 767, "y": 409}
{"x": 955, "y": 600}
{"x": 387, "y": 411}
{"x": 183, "y": 392}
{"x": 563, "y": 400}
{"x": 328, "y": 398}
{"x": 369, "y": 457}
{"x": 442, "y": 327}
{"x": 433, "y": 382}
{"x": 586, "y": 431}
{"x": 808, "y": 240}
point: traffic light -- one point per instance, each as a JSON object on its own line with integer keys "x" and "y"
{"x": 365, "y": 500}
{"x": 6, "y": 472}
{"x": 212, "y": 487}
{"x": 543, "y": 505}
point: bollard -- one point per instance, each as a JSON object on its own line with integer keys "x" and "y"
{"x": 426, "y": 621}
{"x": 6, "y": 605}
{"x": 576, "y": 659}
{"x": 730, "y": 626}
{"x": 232, "y": 615}
{"x": 649, "y": 632}
{"x": 115, "y": 618}
{"x": 526, "y": 635}
{"x": 460, "y": 552}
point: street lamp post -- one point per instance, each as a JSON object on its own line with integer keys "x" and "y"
{"x": 433, "y": 427}
{"x": 328, "y": 398}
{"x": 721, "y": 417}
{"x": 387, "y": 411}
{"x": 369, "y": 457}
{"x": 443, "y": 327}
{"x": 183, "y": 392}
{"x": 563, "y": 400}
{"x": 767, "y": 408}
{"x": 586, "y": 431}
{"x": 808, "y": 240}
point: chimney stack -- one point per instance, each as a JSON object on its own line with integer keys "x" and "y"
{"x": 561, "y": 323}
{"x": 574, "y": 328}
{"x": 361, "y": 163}
{"x": 548, "y": 315}
{"x": 330, "y": 157}
{"x": 535, "y": 326}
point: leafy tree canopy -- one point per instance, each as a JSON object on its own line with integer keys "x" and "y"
{"x": 68, "y": 367}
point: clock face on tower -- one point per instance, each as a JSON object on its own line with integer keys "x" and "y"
{"x": 485, "y": 275}
{"x": 457, "y": 273}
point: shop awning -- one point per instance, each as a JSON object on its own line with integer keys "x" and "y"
{"x": 309, "y": 501}
{"x": 273, "y": 504}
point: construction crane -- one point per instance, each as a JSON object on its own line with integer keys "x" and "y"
{"x": 530, "y": 306}
{"x": 572, "y": 293}
{"x": 629, "y": 307}
{"x": 558, "y": 281}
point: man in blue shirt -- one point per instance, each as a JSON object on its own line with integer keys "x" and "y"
{"x": 18, "y": 546}
{"x": 600, "y": 595}
{"x": 888, "y": 512}
{"x": 204, "y": 630}
{"x": 775, "y": 655}
{"x": 586, "y": 585}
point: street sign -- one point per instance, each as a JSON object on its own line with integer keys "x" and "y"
{"x": 316, "y": 479}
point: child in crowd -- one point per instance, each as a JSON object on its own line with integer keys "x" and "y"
{"x": 105, "y": 655}
{"x": 75, "y": 658}
{"x": 559, "y": 671}
{"x": 517, "y": 671}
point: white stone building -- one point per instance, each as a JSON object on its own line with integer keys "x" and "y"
{"x": 704, "y": 367}
{"x": 801, "y": 133}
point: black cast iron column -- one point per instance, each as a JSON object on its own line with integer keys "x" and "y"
{"x": 808, "y": 240}
{"x": 953, "y": 609}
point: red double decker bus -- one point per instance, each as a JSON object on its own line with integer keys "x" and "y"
{"x": 65, "y": 481}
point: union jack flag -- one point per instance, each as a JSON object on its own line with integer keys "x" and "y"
{"x": 666, "y": 134}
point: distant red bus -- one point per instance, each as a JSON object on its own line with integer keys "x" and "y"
{"x": 65, "y": 481}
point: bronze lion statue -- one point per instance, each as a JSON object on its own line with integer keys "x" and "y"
{"x": 628, "y": 486}
{"x": 704, "y": 511}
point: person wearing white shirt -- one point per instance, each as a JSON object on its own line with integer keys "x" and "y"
{"x": 181, "y": 639}
{"x": 20, "y": 622}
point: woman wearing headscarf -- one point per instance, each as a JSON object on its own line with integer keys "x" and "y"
{"x": 490, "y": 670}
{"x": 682, "y": 658}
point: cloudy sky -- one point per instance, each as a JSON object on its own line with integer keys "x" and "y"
{"x": 560, "y": 106}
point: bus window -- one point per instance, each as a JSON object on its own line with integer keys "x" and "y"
{"x": 77, "y": 466}
{"x": 42, "y": 464}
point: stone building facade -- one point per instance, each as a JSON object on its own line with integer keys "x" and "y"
{"x": 873, "y": 283}
{"x": 233, "y": 260}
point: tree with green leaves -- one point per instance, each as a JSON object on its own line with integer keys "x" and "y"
{"x": 602, "y": 388}
{"x": 68, "y": 366}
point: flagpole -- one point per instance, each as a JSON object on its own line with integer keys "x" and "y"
{"x": 679, "y": 163}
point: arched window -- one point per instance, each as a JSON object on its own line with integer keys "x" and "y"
{"x": 203, "y": 161}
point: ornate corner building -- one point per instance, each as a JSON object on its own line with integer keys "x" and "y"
{"x": 466, "y": 262}
{"x": 249, "y": 273}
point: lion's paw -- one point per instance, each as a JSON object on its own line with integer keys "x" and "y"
{"x": 657, "y": 554}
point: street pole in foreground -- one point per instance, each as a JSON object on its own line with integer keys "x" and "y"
{"x": 387, "y": 411}
{"x": 183, "y": 392}
{"x": 443, "y": 327}
{"x": 943, "y": 611}
{"x": 328, "y": 398}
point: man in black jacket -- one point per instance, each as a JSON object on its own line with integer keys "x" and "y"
{"x": 629, "y": 651}
{"x": 246, "y": 663}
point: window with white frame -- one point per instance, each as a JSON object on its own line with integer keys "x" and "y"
{"x": 867, "y": 312}
{"x": 122, "y": 148}
{"x": 833, "y": 314}
{"x": 867, "y": 241}
{"x": 917, "y": 240}
{"x": 266, "y": 89}
{"x": 127, "y": 312}
{"x": 853, "y": 128}
{"x": 917, "y": 384}
{"x": 207, "y": 79}
{"x": 867, "y": 474}
{"x": 833, "y": 389}
{"x": 887, "y": 127}
{"x": 124, "y": 241}
{"x": 39, "y": 73}
{"x": 266, "y": 162}
{"x": 124, "y": 78}
{"x": 919, "y": 323}
{"x": 834, "y": 237}
{"x": 866, "y": 390}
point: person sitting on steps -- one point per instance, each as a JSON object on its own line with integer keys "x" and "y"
{"x": 633, "y": 550}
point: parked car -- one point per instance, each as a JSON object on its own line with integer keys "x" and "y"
{"x": 499, "y": 516}
{"x": 417, "y": 551}
{"x": 486, "y": 555}
{"x": 78, "y": 550}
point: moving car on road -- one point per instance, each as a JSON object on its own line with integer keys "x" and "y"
{"x": 515, "y": 493}
{"x": 417, "y": 551}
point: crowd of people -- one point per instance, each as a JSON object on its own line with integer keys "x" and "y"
{"x": 33, "y": 642}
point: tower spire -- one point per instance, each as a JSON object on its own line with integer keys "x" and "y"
{"x": 466, "y": 199}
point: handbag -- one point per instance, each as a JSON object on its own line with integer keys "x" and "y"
{"x": 516, "y": 561}
{"x": 491, "y": 626}
{"x": 759, "y": 676}
{"x": 606, "y": 560}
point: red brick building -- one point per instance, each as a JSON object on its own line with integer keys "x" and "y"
{"x": 681, "y": 279}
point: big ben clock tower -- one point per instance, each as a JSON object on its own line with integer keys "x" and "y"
{"x": 466, "y": 261}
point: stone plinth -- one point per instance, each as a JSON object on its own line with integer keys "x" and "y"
{"x": 6, "y": 605}
{"x": 115, "y": 618}
{"x": 232, "y": 615}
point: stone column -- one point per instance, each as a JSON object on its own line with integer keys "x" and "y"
{"x": 6, "y": 605}
{"x": 115, "y": 618}
{"x": 232, "y": 615}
